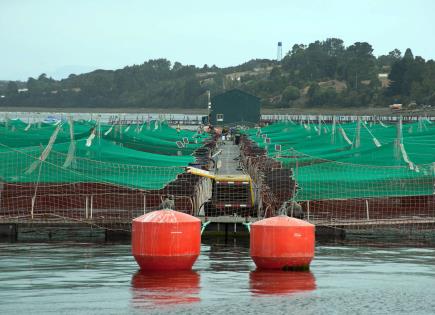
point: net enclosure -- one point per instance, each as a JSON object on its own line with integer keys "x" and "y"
{"x": 80, "y": 170}
{"x": 332, "y": 173}
{"x": 352, "y": 171}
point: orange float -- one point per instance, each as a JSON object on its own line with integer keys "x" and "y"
{"x": 282, "y": 243}
{"x": 166, "y": 240}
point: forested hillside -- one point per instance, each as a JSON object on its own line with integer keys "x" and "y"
{"x": 323, "y": 73}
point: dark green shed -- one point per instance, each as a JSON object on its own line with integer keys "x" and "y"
{"x": 234, "y": 107}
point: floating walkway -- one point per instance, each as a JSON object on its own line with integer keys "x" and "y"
{"x": 229, "y": 159}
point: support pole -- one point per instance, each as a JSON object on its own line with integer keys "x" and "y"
{"x": 358, "y": 133}
{"x": 333, "y": 129}
{"x": 33, "y": 206}
{"x": 92, "y": 206}
{"x": 367, "y": 210}
{"x": 308, "y": 210}
{"x": 398, "y": 141}
{"x": 87, "y": 207}
{"x": 319, "y": 131}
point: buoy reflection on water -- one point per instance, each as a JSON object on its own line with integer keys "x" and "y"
{"x": 276, "y": 282}
{"x": 160, "y": 288}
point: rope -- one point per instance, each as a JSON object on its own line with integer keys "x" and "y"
{"x": 406, "y": 158}
{"x": 90, "y": 138}
{"x": 46, "y": 151}
{"x": 375, "y": 141}
{"x": 72, "y": 145}
{"x": 345, "y": 137}
{"x": 108, "y": 131}
{"x": 382, "y": 124}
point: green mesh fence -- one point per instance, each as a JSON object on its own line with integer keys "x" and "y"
{"x": 140, "y": 156}
{"x": 354, "y": 160}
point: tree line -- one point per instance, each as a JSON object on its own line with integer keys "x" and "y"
{"x": 322, "y": 73}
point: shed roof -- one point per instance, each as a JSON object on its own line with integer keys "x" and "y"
{"x": 232, "y": 91}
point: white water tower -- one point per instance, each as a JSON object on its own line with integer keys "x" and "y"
{"x": 279, "y": 52}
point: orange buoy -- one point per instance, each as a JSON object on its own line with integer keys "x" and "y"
{"x": 277, "y": 282}
{"x": 166, "y": 240}
{"x": 282, "y": 243}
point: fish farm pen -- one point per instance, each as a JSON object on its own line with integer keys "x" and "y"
{"x": 360, "y": 174}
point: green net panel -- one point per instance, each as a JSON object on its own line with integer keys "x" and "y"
{"x": 145, "y": 157}
{"x": 354, "y": 160}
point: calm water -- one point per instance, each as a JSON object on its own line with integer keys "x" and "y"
{"x": 103, "y": 279}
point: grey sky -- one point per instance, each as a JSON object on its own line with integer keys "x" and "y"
{"x": 60, "y": 36}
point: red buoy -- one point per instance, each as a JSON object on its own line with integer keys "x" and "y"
{"x": 282, "y": 243}
{"x": 166, "y": 240}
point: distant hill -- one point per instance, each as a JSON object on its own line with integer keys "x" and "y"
{"x": 322, "y": 73}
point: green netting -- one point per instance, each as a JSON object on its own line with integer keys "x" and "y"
{"x": 162, "y": 140}
{"x": 134, "y": 157}
{"x": 14, "y": 133}
{"x": 15, "y": 165}
{"x": 327, "y": 166}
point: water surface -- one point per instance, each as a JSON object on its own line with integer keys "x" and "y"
{"x": 87, "y": 278}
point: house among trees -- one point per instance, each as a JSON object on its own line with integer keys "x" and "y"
{"x": 235, "y": 107}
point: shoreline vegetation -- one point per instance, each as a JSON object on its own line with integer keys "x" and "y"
{"x": 376, "y": 111}
{"x": 319, "y": 76}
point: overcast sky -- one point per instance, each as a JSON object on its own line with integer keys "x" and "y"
{"x": 62, "y": 36}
